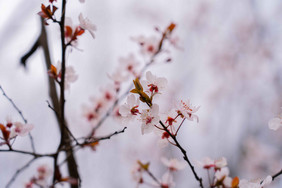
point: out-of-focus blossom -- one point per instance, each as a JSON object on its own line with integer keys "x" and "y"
{"x": 167, "y": 180}
{"x": 136, "y": 173}
{"x": 208, "y": 163}
{"x": 154, "y": 84}
{"x": 149, "y": 45}
{"x": 129, "y": 110}
{"x": 82, "y": 1}
{"x": 221, "y": 177}
{"x": 187, "y": 110}
{"x": 150, "y": 118}
{"x": 21, "y": 129}
{"x": 275, "y": 123}
{"x": 220, "y": 163}
{"x": 255, "y": 184}
{"x": 86, "y": 24}
{"x": 129, "y": 64}
{"x": 43, "y": 173}
{"x": 173, "y": 164}
{"x": 70, "y": 75}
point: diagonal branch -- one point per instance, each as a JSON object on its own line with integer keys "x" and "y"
{"x": 22, "y": 116}
{"x": 17, "y": 173}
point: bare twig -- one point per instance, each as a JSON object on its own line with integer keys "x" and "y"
{"x": 21, "y": 114}
{"x": 19, "y": 171}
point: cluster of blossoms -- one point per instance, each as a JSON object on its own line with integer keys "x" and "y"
{"x": 150, "y": 116}
{"x": 13, "y": 129}
{"x": 41, "y": 178}
{"x": 173, "y": 165}
{"x": 221, "y": 178}
{"x": 128, "y": 68}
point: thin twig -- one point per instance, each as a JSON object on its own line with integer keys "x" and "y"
{"x": 19, "y": 171}
{"x": 91, "y": 140}
{"x": 276, "y": 175}
{"x": 185, "y": 157}
{"x": 21, "y": 114}
{"x": 36, "y": 155}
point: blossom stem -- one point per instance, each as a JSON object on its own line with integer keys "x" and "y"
{"x": 179, "y": 126}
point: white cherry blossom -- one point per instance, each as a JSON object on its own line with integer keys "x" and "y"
{"x": 186, "y": 109}
{"x": 173, "y": 164}
{"x": 86, "y": 24}
{"x": 20, "y": 129}
{"x": 149, "y": 45}
{"x": 275, "y": 123}
{"x": 154, "y": 84}
{"x": 129, "y": 110}
{"x": 149, "y": 118}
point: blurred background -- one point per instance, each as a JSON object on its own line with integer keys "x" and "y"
{"x": 229, "y": 63}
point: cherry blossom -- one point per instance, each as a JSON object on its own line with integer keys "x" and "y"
{"x": 173, "y": 164}
{"x": 20, "y": 129}
{"x": 129, "y": 64}
{"x": 149, "y": 45}
{"x": 208, "y": 163}
{"x": 129, "y": 110}
{"x": 275, "y": 123}
{"x": 187, "y": 110}
{"x": 255, "y": 184}
{"x": 221, "y": 176}
{"x": 43, "y": 173}
{"x": 70, "y": 75}
{"x": 154, "y": 84}
{"x": 86, "y": 24}
{"x": 137, "y": 173}
{"x": 167, "y": 181}
{"x": 149, "y": 117}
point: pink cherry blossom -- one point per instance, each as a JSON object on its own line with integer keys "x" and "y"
{"x": 149, "y": 118}
{"x": 86, "y": 24}
{"x": 187, "y": 110}
{"x": 173, "y": 164}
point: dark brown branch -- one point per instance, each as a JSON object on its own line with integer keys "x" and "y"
{"x": 36, "y": 155}
{"x": 92, "y": 140}
{"x": 42, "y": 41}
{"x": 183, "y": 151}
{"x": 22, "y": 116}
{"x": 276, "y": 175}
